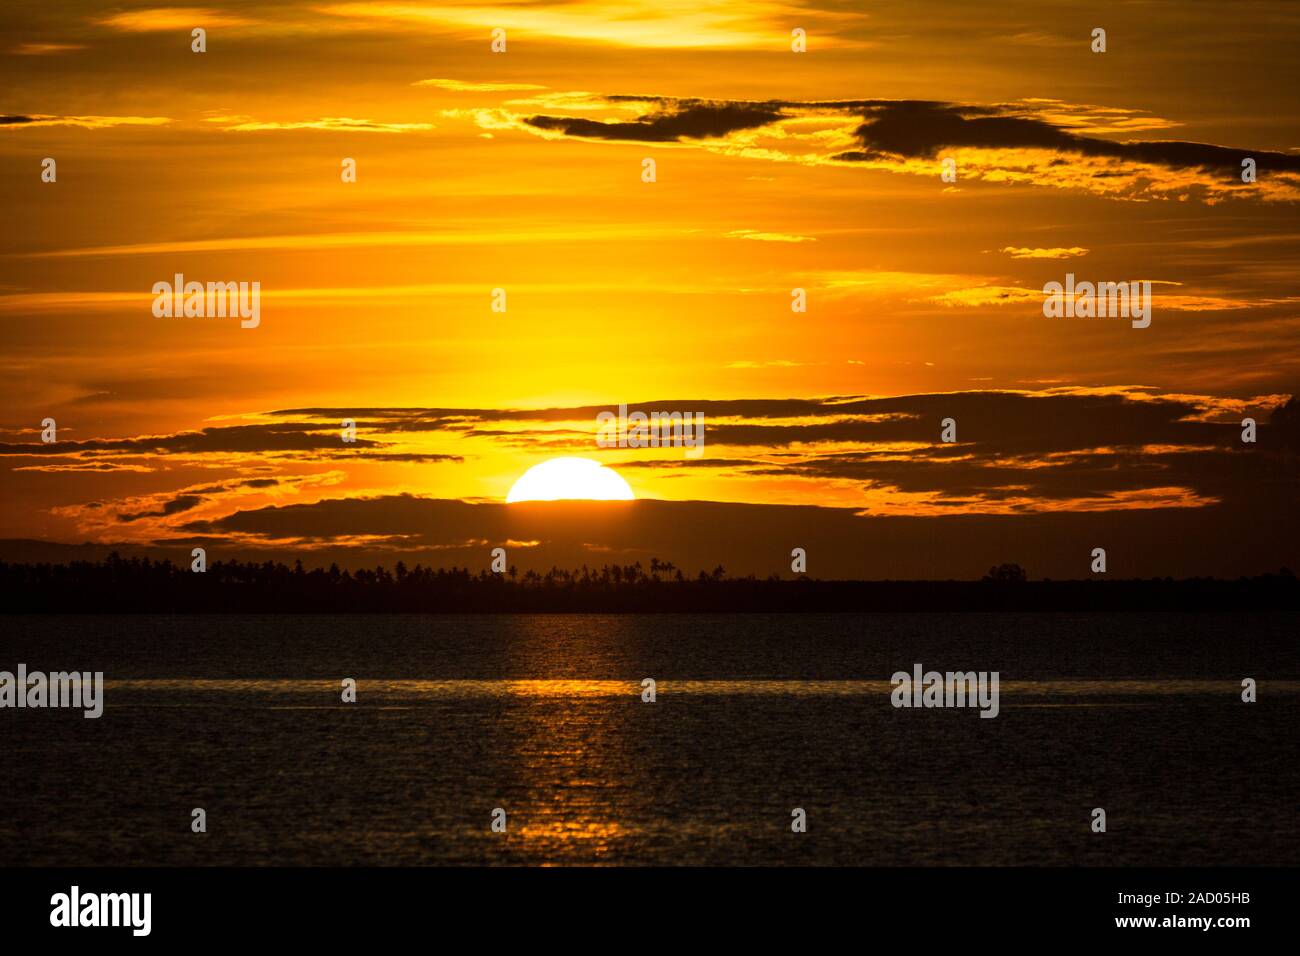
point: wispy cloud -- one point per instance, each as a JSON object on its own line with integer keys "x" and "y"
{"x": 665, "y": 24}
{"x": 1034, "y": 142}
{"x": 1074, "y": 448}
{"x": 684, "y": 120}
{"x": 44, "y": 49}
{"x": 1053, "y": 252}
{"x": 156, "y": 19}
{"x": 768, "y": 236}
{"x": 464, "y": 86}
{"x": 38, "y": 120}
{"x": 344, "y": 124}
{"x": 988, "y": 295}
{"x": 351, "y": 240}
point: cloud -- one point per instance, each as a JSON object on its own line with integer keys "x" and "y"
{"x": 185, "y": 19}
{"x": 345, "y": 124}
{"x": 665, "y": 24}
{"x": 913, "y": 128}
{"x": 1071, "y": 448}
{"x": 154, "y": 510}
{"x": 1055, "y": 252}
{"x": 917, "y": 129}
{"x": 1095, "y": 120}
{"x": 302, "y": 440}
{"x": 1040, "y": 142}
{"x": 768, "y": 236}
{"x": 39, "y": 120}
{"x": 176, "y": 505}
{"x": 690, "y": 119}
{"x": 990, "y": 294}
{"x": 841, "y": 542}
{"x": 462, "y": 86}
{"x": 44, "y": 49}
{"x": 345, "y": 240}
{"x": 86, "y": 466}
{"x": 1053, "y": 449}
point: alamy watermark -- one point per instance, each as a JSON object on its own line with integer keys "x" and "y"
{"x": 951, "y": 689}
{"x": 653, "y": 430}
{"x": 194, "y": 300}
{"x": 76, "y": 908}
{"x": 73, "y": 689}
{"x": 1102, "y": 300}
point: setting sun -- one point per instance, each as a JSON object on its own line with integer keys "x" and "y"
{"x": 564, "y": 478}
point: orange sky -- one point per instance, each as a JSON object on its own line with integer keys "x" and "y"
{"x": 522, "y": 170}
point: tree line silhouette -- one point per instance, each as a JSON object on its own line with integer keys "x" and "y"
{"x": 141, "y": 585}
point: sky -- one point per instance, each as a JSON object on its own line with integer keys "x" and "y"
{"x": 524, "y": 171}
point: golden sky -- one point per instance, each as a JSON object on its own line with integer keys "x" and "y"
{"x": 522, "y": 170}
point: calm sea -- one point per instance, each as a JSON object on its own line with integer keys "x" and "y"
{"x": 756, "y": 715}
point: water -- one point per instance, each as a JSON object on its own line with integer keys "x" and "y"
{"x": 756, "y": 715}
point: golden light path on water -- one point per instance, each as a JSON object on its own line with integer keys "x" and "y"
{"x": 414, "y": 688}
{"x": 587, "y": 773}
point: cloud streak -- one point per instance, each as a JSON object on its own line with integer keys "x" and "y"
{"x": 17, "y": 121}
{"x": 1036, "y": 141}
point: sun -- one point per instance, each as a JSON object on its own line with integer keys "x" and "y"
{"x": 563, "y": 478}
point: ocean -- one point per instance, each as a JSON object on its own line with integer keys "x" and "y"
{"x": 755, "y": 717}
